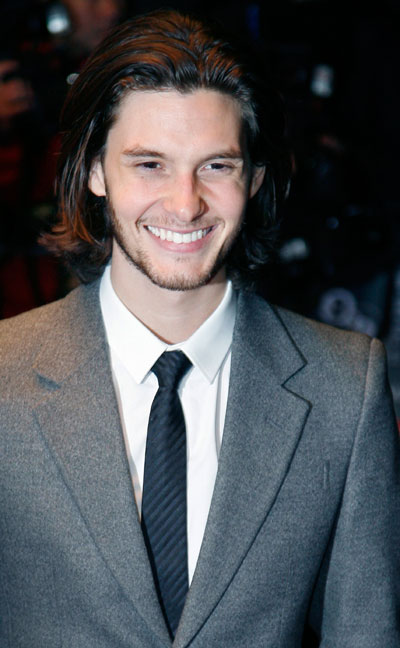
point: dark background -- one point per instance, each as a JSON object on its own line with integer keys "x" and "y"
{"x": 336, "y": 65}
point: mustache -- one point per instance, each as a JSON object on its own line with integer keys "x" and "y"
{"x": 162, "y": 220}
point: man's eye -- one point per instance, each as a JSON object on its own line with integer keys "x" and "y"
{"x": 217, "y": 166}
{"x": 149, "y": 165}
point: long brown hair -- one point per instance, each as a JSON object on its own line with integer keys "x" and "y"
{"x": 162, "y": 50}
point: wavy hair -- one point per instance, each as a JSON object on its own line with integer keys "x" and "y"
{"x": 163, "y": 50}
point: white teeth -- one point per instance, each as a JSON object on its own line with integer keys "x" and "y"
{"x": 177, "y": 237}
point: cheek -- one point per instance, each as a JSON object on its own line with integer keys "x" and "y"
{"x": 233, "y": 207}
{"x": 130, "y": 206}
{"x": 137, "y": 195}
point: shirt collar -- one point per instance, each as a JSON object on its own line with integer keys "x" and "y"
{"x": 138, "y": 348}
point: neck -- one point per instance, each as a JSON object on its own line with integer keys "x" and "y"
{"x": 171, "y": 315}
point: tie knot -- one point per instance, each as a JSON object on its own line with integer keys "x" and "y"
{"x": 170, "y": 368}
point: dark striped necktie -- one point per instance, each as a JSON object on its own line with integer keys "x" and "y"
{"x": 164, "y": 489}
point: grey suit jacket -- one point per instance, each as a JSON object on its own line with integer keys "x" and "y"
{"x": 304, "y": 522}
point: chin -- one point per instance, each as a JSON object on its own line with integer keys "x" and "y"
{"x": 169, "y": 278}
{"x": 179, "y": 281}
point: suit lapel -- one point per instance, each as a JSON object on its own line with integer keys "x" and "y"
{"x": 78, "y": 416}
{"x": 263, "y": 423}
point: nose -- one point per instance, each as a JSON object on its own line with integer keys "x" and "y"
{"x": 183, "y": 199}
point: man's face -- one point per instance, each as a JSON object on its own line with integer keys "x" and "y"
{"x": 16, "y": 95}
{"x": 177, "y": 181}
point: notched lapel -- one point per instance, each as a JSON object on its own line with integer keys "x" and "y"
{"x": 78, "y": 416}
{"x": 264, "y": 421}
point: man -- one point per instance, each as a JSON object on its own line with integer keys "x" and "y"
{"x": 284, "y": 513}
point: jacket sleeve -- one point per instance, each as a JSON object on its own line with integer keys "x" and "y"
{"x": 357, "y": 597}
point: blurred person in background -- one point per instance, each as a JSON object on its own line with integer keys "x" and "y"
{"x": 16, "y": 95}
{"x": 51, "y": 42}
{"x": 28, "y": 277}
{"x": 90, "y": 22}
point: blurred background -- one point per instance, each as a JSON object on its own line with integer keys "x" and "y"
{"x": 336, "y": 65}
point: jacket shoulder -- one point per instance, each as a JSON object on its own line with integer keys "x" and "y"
{"x": 313, "y": 334}
{"x": 23, "y": 336}
{"x": 289, "y": 340}
{"x": 341, "y": 366}
{"x": 306, "y": 332}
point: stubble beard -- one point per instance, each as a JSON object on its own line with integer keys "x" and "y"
{"x": 178, "y": 281}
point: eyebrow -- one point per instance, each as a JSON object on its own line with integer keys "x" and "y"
{"x": 137, "y": 152}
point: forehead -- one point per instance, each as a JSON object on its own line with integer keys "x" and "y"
{"x": 199, "y": 118}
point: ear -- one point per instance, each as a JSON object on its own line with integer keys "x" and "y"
{"x": 257, "y": 178}
{"x": 97, "y": 183}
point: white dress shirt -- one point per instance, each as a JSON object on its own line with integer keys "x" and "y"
{"x": 203, "y": 392}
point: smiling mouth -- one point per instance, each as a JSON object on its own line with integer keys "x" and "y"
{"x": 178, "y": 237}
